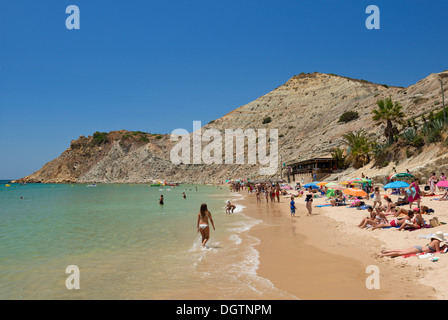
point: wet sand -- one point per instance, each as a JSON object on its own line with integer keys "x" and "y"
{"x": 313, "y": 257}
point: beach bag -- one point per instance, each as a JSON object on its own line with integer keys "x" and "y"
{"x": 434, "y": 222}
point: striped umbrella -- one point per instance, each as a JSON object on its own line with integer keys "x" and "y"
{"x": 335, "y": 186}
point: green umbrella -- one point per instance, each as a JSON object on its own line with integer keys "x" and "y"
{"x": 401, "y": 175}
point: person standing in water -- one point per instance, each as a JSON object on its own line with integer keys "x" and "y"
{"x": 184, "y": 195}
{"x": 161, "y": 200}
{"x": 202, "y": 226}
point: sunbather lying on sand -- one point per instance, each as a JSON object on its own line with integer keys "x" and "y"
{"x": 437, "y": 244}
{"x": 402, "y": 200}
{"x": 397, "y": 222}
{"x": 357, "y": 202}
{"x": 445, "y": 196}
{"x": 375, "y": 218}
{"x": 400, "y": 211}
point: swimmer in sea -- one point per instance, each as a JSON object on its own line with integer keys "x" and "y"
{"x": 202, "y": 226}
{"x": 161, "y": 200}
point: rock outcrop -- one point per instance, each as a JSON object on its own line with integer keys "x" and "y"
{"x": 305, "y": 110}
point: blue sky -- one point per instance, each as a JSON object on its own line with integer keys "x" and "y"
{"x": 156, "y": 66}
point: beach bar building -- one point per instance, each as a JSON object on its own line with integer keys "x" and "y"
{"x": 312, "y": 169}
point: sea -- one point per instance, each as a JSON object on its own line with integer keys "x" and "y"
{"x": 117, "y": 242}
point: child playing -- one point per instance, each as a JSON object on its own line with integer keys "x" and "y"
{"x": 293, "y": 207}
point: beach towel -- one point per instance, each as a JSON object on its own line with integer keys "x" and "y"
{"x": 323, "y": 205}
{"x": 420, "y": 255}
{"x": 429, "y": 236}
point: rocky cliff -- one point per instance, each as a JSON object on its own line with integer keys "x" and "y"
{"x": 305, "y": 110}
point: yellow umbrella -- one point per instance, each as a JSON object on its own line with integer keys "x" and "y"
{"x": 355, "y": 192}
{"x": 344, "y": 182}
{"x": 320, "y": 184}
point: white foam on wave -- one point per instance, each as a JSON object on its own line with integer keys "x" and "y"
{"x": 235, "y": 239}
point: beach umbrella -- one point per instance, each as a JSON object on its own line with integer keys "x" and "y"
{"x": 320, "y": 184}
{"x": 311, "y": 185}
{"x": 353, "y": 181}
{"x": 287, "y": 187}
{"x": 442, "y": 184}
{"x": 344, "y": 182}
{"x": 396, "y": 185}
{"x": 335, "y": 186}
{"x": 330, "y": 193}
{"x": 355, "y": 192}
{"x": 401, "y": 175}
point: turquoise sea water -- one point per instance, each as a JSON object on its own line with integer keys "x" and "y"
{"x": 125, "y": 244}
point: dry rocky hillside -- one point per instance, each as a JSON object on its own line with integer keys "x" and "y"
{"x": 305, "y": 110}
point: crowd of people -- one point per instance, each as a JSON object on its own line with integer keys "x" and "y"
{"x": 406, "y": 213}
{"x": 271, "y": 192}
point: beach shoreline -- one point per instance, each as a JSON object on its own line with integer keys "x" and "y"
{"x": 326, "y": 257}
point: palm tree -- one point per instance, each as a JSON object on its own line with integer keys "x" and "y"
{"x": 388, "y": 112}
{"x": 339, "y": 156}
{"x": 359, "y": 147}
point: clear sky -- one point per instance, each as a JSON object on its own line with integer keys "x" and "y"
{"x": 156, "y": 66}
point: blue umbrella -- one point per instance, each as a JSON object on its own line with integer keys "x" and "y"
{"x": 396, "y": 185}
{"x": 312, "y": 185}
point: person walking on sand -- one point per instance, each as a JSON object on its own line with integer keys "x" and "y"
{"x": 309, "y": 202}
{"x": 376, "y": 197}
{"x": 202, "y": 226}
{"x": 414, "y": 193}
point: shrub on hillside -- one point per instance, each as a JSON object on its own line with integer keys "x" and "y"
{"x": 348, "y": 116}
{"x": 267, "y": 120}
{"x": 100, "y": 137}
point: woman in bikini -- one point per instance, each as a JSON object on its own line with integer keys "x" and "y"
{"x": 390, "y": 206}
{"x": 376, "y": 197}
{"x": 309, "y": 201}
{"x": 203, "y": 216}
{"x": 395, "y": 223}
{"x": 437, "y": 244}
{"x": 376, "y": 217}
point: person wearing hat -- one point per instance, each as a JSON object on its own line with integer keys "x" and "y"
{"x": 437, "y": 244}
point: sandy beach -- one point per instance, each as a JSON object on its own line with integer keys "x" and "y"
{"x": 326, "y": 256}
